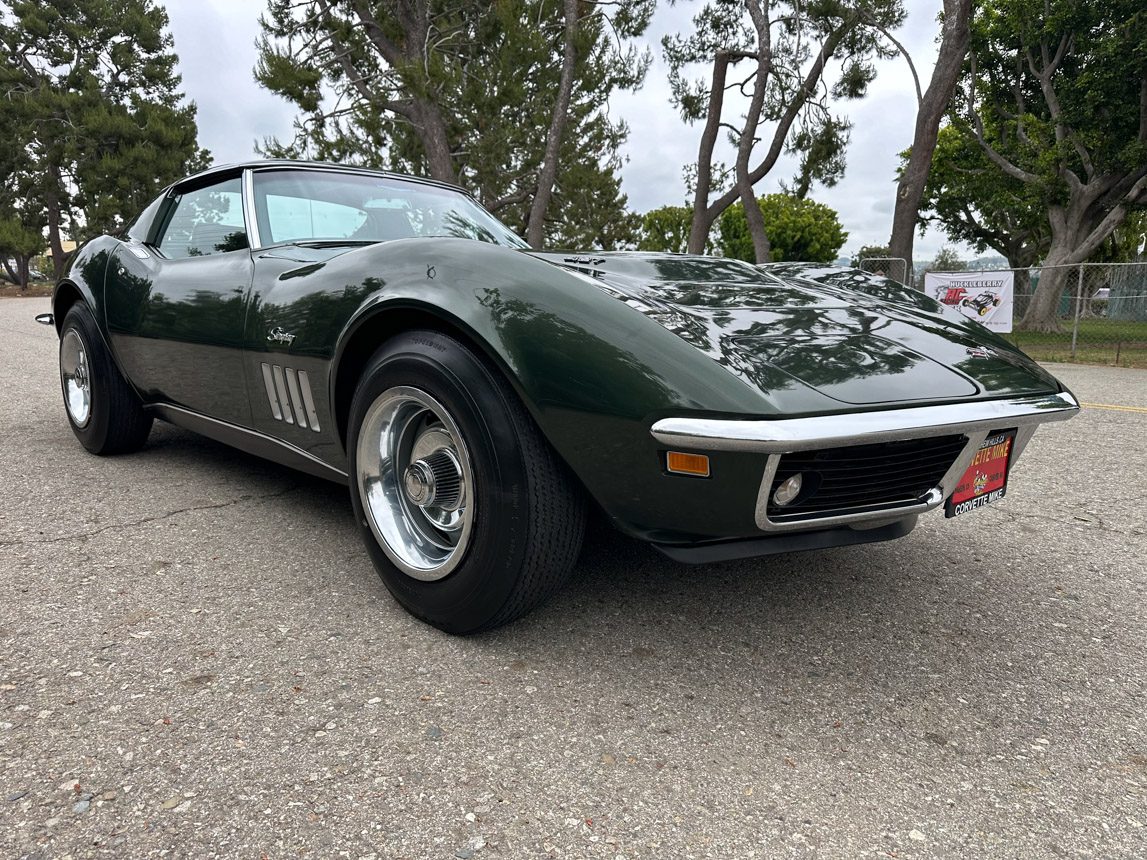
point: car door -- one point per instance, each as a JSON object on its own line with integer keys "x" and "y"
{"x": 176, "y": 304}
{"x": 305, "y": 218}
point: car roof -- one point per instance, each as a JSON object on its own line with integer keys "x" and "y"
{"x": 287, "y": 163}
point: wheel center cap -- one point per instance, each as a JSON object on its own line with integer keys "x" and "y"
{"x": 418, "y": 481}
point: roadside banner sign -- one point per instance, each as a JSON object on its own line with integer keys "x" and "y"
{"x": 983, "y": 296}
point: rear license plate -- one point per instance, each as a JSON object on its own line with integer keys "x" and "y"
{"x": 986, "y": 480}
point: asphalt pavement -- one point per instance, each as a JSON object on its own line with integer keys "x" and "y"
{"x": 198, "y": 660}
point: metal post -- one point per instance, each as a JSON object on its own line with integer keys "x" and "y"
{"x": 1078, "y": 306}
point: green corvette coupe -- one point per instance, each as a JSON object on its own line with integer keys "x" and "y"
{"x": 387, "y": 333}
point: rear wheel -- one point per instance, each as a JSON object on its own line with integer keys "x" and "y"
{"x": 469, "y": 517}
{"x": 105, "y": 413}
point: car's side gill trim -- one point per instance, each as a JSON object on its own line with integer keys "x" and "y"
{"x": 784, "y": 435}
{"x": 289, "y": 395}
{"x": 250, "y": 441}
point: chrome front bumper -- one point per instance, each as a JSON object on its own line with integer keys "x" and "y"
{"x": 786, "y": 435}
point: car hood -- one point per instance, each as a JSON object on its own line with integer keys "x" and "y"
{"x": 780, "y": 333}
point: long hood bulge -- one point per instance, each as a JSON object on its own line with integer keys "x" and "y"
{"x": 779, "y": 334}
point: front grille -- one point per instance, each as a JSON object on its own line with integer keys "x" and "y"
{"x": 864, "y": 477}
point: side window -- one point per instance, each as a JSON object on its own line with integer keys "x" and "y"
{"x": 206, "y": 221}
{"x": 292, "y": 218}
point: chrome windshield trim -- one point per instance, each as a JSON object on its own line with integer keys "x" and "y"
{"x": 253, "y": 240}
{"x": 783, "y": 435}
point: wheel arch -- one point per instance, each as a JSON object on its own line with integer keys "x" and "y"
{"x": 371, "y": 329}
{"x": 66, "y": 294}
{"x": 84, "y": 281}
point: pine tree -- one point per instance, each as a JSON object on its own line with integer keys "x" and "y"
{"x": 508, "y": 99}
{"x": 94, "y": 108}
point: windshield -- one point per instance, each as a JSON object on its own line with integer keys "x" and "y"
{"x": 317, "y": 206}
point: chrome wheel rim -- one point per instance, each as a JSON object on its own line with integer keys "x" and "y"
{"x": 76, "y": 377}
{"x": 416, "y": 482}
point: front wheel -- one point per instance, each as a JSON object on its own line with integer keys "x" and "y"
{"x": 105, "y": 412}
{"x": 469, "y": 516}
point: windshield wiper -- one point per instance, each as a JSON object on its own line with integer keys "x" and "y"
{"x": 334, "y": 243}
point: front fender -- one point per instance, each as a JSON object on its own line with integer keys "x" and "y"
{"x": 84, "y": 281}
{"x": 594, "y": 373}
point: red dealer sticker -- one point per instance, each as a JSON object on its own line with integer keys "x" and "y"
{"x": 986, "y": 480}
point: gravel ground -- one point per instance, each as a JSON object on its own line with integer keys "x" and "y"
{"x": 197, "y": 660}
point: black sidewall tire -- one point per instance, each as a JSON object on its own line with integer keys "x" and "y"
{"x": 472, "y": 596}
{"x": 117, "y": 422}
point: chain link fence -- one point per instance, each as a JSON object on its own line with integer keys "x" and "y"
{"x": 889, "y": 267}
{"x": 1100, "y": 315}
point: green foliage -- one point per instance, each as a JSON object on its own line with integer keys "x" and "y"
{"x": 462, "y": 90}
{"x": 870, "y": 252}
{"x": 779, "y": 52}
{"x": 665, "y": 229}
{"x": 947, "y": 260}
{"x": 589, "y": 210}
{"x": 1054, "y": 94}
{"x": 974, "y": 202}
{"x": 93, "y": 113}
{"x": 798, "y": 230}
{"x": 821, "y": 151}
{"x": 1127, "y": 243}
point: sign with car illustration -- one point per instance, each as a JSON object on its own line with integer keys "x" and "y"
{"x": 983, "y": 296}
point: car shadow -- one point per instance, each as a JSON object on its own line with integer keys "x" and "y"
{"x": 629, "y": 615}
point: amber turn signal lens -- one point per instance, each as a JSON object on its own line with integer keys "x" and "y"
{"x": 687, "y": 464}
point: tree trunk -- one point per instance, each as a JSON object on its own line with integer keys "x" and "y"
{"x": 933, "y": 104}
{"x": 535, "y": 227}
{"x": 1021, "y": 286}
{"x": 1042, "y": 314}
{"x": 52, "y": 197}
{"x": 12, "y": 276}
{"x": 753, "y": 217}
{"x": 702, "y": 219}
{"x": 762, "y": 247}
{"x": 431, "y": 129}
{"x": 811, "y": 81}
{"x": 1078, "y": 228}
{"x": 1043, "y": 310}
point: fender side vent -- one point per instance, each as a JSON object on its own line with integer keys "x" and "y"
{"x": 289, "y": 396}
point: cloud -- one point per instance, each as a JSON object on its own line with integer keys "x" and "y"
{"x": 215, "y": 41}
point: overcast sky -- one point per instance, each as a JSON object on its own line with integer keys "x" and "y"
{"x": 215, "y": 40}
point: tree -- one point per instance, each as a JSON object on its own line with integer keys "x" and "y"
{"x": 931, "y": 106}
{"x": 870, "y": 252}
{"x": 1055, "y": 94}
{"x": 798, "y": 230}
{"x": 94, "y": 109}
{"x": 790, "y": 46}
{"x": 968, "y": 197}
{"x": 18, "y": 245}
{"x": 947, "y": 260}
{"x": 665, "y": 229}
{"x": 508, "y": 99}
{"x": 22, "y": 220}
